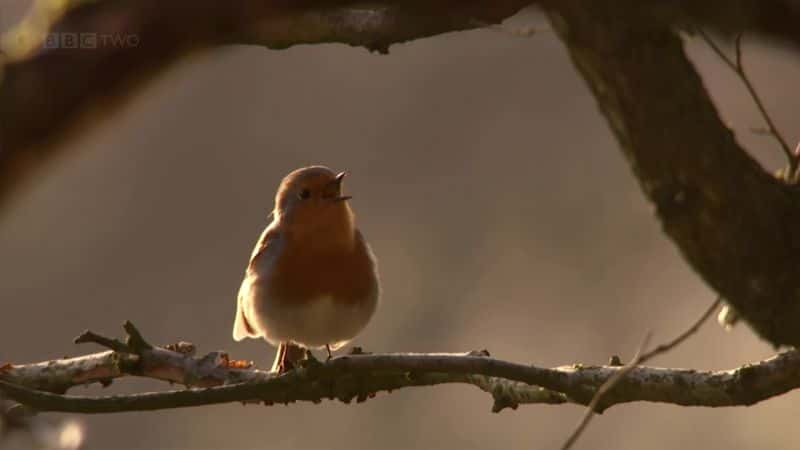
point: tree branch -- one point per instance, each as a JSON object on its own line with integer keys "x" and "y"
{"x": 43, "y": 92}
{"x": 735, "y": 223}
{"x": 736, "y": 64}
{"x": 215, "y": 379}
{"x": 639, "y": 358}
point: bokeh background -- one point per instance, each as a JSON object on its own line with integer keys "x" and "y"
{"x": 503, "y": 214}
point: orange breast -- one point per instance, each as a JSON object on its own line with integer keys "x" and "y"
{"x": 347, "y": 275}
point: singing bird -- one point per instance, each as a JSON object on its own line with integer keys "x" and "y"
{"x": 312, "y": 279}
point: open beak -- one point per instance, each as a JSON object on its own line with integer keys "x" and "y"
{"x": 338, "y": 183}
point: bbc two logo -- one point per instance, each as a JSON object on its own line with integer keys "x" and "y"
{"x": 90, "y": 40}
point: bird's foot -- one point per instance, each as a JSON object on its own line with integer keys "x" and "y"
{"x": 284, "y": 367}
{"x": 310, "y": 361}
{"x": 358, "y": 351}
{"x": 288, "y": 358}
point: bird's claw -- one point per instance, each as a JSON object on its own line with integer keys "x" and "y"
{"x": 309, "y": 361}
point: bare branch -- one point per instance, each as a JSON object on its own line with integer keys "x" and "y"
{"x": 639, "y": 358}
{"x": 176, "y": 363}
{"x": 135, "y": 340}
{"x": 113, "y": 344}
{"x": 604, "y": 388}
{"x": 663, "y": 348}
{"x": 214, "y": 379}
{"x": 737, "y": 66}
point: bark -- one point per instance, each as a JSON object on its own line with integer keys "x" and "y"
{"x": 215, "y": 378}
{"x": 735, "y": 223}
{"x": 46, "y": 93}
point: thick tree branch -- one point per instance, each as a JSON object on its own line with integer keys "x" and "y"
{"x": 215, "y": 379}
{"x": 735, "y": 223}
{"x": 43, "y": 92}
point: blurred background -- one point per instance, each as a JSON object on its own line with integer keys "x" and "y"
{"x": 502, "y": 212}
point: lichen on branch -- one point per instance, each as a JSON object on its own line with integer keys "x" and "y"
{"x": 215, "y": 378}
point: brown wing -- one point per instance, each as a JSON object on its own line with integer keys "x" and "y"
{"x": 269, "y": 235}
{"x": 242, "y": 327}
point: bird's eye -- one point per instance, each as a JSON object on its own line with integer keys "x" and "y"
{"x": 304, "y": 194}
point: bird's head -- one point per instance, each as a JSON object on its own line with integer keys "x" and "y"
{"x": 310, "y": 202}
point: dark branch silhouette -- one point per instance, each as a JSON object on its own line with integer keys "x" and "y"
{"x": 735, "y": 223}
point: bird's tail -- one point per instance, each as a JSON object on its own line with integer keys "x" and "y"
{"x": 287, "y": 357}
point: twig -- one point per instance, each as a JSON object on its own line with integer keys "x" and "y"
{"x": 135, "y": 340}
{"x": 663, "y": 348}
{"x": 605, "y": 387}
{"x": 640, "y": 357}
{"x": 737, "y": 66}
{"x": 112, "y": 344}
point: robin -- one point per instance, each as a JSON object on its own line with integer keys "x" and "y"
{"x": 312, "y": 280}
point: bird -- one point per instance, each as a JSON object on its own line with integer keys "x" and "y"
{"x": 312, "y": 279}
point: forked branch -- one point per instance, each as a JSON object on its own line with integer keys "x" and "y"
{"x": 737, "y": 66}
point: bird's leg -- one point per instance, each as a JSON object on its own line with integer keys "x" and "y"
{"x": 310, "y": 361}
{"x": 328, "y": 348}
{"x": 293, "y": 356}
{"x": 279, "y": 366}
{"x": 288, "y": 358}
